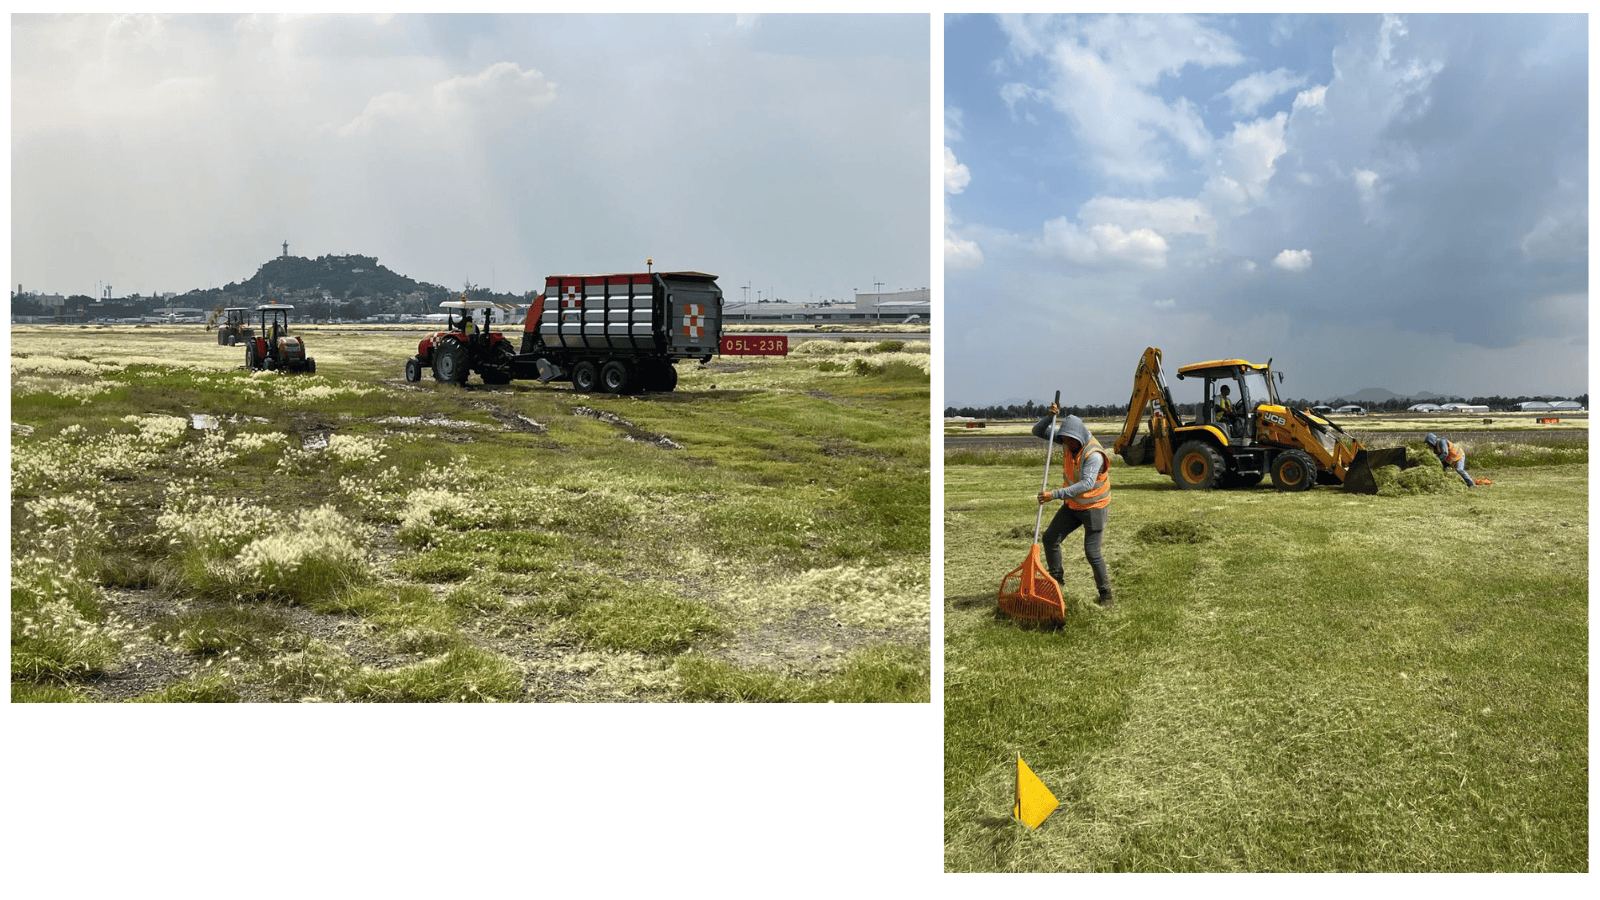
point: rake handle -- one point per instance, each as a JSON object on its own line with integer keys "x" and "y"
{"x": 1049, "y": 448}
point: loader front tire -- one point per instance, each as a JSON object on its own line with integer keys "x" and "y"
{"x": 1294, "y": 470}
{"x": 1197, "y": 466}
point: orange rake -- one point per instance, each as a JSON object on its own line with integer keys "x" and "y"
{"x": 1028, "y": 593}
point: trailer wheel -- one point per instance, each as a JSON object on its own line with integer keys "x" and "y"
{"x": 585, "y": 376}
{"x": 668, "y": 379}
{"x": 450, "y": 363}
{"x": 1294, "y": 470}
{"x": 615, "y": 377}
{"x": 1197, "y": 466}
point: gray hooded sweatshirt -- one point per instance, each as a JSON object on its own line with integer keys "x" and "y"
{"x": 1073, "y": 427}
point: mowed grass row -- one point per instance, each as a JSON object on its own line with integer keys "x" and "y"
{"x": 1314, "y": 682}
{"x": 646, "y": 535}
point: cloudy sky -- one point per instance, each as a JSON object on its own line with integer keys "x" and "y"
{"x": 786, "y": 153}
{"x": 1371, "y": 201}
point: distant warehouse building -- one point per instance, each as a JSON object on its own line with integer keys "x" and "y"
{"x": 901, "y": 306}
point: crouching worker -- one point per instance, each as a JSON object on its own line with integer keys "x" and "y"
{"x": 1451, "y": 456}
{"x": 1086, "y": 490}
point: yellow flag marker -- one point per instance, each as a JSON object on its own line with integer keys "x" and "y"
{"x": 1035, "y": 803}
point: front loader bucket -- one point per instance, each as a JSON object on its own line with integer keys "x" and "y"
{"x": 1029, "y": 594}
{"x": 1358, "y": 477}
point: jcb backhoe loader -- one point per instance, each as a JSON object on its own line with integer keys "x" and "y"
{"x": 1237, "y": 447}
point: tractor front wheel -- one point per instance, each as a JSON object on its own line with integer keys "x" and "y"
{"x": 1197, "y": 466}
{"x": 450, "y": 363}
{"x": 1294, "y": 470}
{"x": 413, "y": 370}
{"x": 250, "y": 361}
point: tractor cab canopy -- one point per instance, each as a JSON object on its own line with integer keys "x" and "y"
{"x": 460, "y": 312}
{"x": 277, "y": 312}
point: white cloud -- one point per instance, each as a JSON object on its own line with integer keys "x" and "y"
{"x": 960, "y": 253}
{"x": 1311, "y": 98}
{"x": 1104, "y": 75}
{"x": 1250, "y": 93}
{"x": 956, "y": 175}
{"x": 1102, "y": 245}
{"x": 1366, "y": 185}
{"x": 1167, "y": 216}
{"x": 1250, "y": 154}
{"x": 1167, "y": 305}
{"x": 503, "y": 89}
{"x": 952, "y": 124}
{"x": 1293, "y": 260}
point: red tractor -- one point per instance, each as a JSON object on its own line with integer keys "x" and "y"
{"x": 273, "y": 347}
{"x": 463, "y": 348}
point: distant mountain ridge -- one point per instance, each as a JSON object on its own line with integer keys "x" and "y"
{"x": 1379, "y": 395}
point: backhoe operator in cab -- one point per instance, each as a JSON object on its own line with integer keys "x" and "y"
{"x": 1086, "y": 492}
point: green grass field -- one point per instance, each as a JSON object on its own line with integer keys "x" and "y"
{"x": 185, "y": 530}
{"x": 1299, "y": 683}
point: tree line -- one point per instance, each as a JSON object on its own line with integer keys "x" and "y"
{"x": 1035, "y": 410}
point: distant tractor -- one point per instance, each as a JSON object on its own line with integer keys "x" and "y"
{"x": 463, "y": 347}
{"x": 274, "y": 348}
{"x": 235, "y": 327}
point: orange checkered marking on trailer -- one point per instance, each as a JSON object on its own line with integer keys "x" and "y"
{"x": 694, "y": 320}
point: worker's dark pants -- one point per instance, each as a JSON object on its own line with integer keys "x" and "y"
{"x": 1066, "y": 521}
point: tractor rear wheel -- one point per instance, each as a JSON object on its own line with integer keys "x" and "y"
{"x": 615, "y": 377}
{"x": 1294, "y": 470}
{"x": 450, "y": 363}
{"x": 1197, "y": 466}
{"x": 585, "y": 376}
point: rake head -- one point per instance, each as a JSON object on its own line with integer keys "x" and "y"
{"x": 1029, "y": 593}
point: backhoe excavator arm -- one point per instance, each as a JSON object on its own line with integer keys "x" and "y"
{"x": 1148, "y": 387}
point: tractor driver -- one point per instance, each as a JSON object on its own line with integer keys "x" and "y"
{"x": 467, "y": 328}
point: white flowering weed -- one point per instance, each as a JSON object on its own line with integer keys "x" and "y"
{"x": 52, "y": 637}
{"x": 888, "y": 597}
{"x": 213, "y": 526}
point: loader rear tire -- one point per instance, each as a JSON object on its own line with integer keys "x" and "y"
{"x": 1197, "y": 466}
{"x": 1294, "y": 470}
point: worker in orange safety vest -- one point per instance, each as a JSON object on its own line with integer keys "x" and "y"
{"x": 1085, "y": 492}
{"x": 1451, "y": 456}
